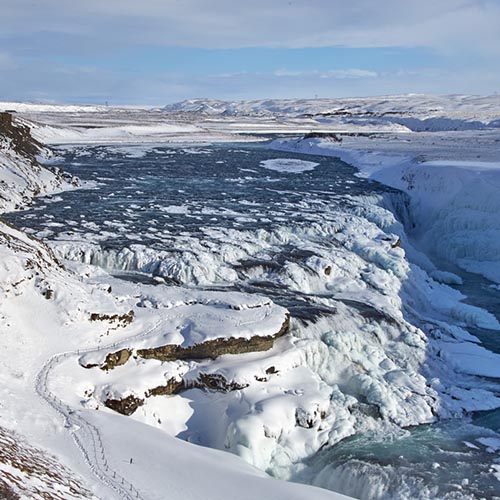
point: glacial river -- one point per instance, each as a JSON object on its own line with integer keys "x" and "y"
{"x": 225, "y": 217}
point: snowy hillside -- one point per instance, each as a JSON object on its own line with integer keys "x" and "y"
{"x": 416, "y": 112}
{"x": 21, "y": 176}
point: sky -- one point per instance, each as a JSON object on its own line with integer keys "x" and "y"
{"x": 155, "y": 52}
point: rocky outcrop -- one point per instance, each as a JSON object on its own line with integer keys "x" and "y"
{"x": 173, "y": 386}
{"x": 125, "y": 406}
{"x": 120, "y": 319}
{"x": 205, "y": 381}
{"x": 217, "y": 382}
{"x": 397, "y": 243}
{"x": 194, "y": 378}
{"x": 117, "y": 358}
{"x": 21, "y": 140}
{"x": 212, "y": 349}
{"x": 21, "y": 175}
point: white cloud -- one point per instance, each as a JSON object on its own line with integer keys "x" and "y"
{"x": 37, "y": 35}
{"x": 442, "y": 24}
{"x": 43, "y": 82}
{"x": 340, "y": 74}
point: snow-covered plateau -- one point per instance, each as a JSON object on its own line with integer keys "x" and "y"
{"x": 294, "y": 316}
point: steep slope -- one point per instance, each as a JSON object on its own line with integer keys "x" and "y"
{"x": 21, "y": 175}
{"x": 27, "y": 472}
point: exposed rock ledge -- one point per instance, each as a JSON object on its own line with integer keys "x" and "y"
{"x": 212, "y": 349}
{"x": 205, "y": 381}
{"x": 200, "y": 330}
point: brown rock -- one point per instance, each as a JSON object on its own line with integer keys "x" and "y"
{"x": 397, "y": 243}
{"x": 216, "y": 382}
{"x": 271, "y": 370}
{"x": 125, "y": 406}
{"x": 21, "y": 140}
{"x": 123, "y": 319}
{"x": 211, "y": 349}
{"x": 117, "y": 358}
{"x": 173, "y": 386}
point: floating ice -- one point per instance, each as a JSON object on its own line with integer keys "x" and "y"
{"x": 289, "y": 165}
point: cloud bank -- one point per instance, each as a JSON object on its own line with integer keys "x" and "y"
{"x": 48, "y": 47}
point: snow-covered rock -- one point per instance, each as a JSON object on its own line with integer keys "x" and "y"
{"x": 21, "y": 176}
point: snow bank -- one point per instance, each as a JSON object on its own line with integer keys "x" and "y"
{"x": 110, "y": 134}
{"x": 454, "y": 204}
{"x": 165, "y": 467}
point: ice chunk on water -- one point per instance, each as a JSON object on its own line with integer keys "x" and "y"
{"x": 289, "y": 165}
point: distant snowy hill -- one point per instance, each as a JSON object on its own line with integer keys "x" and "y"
{"x": 415, "y": 111}
{"x": 32, "y": 107}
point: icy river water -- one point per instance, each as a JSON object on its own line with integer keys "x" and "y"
{"x": 226, "y": 217}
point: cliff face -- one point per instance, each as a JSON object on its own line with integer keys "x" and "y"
{"x": 21, "y": 178}
{"x": 21, "y": 175}
{"x": 19, "y": 136}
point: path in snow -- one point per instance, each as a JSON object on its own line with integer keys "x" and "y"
{"x": 86, "y": 435}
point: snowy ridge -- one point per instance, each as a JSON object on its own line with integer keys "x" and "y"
{"x": 416, "y": 112}
{"x": 28, "y": 107}
{"x": 112, "y": 134}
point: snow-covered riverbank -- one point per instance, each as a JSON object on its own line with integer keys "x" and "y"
{"x": 454, "y": 198}
{"x": 452, "y": 212}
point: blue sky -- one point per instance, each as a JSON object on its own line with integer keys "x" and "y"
{"x": 160, "y": 51}
{"x": 194, "y": 61}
